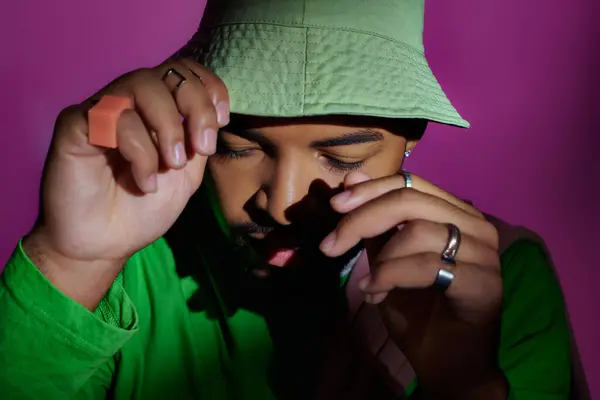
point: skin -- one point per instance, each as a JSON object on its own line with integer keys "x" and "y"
{"x": 131, "y": 196}
{"x": 264, "y": 169}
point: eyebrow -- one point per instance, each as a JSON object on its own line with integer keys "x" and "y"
{"x": 363, "y": 135}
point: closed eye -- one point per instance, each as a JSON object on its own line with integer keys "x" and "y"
{"x": 333, "y": 164}
{"x": 343, "y": 166}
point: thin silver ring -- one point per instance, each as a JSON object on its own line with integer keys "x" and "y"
{"x": 407, "y": 178}
{"x": 201, "y": 79}
{"x": 173, "y": 71}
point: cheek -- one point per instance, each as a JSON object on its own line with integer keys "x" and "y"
{"x": 236, "y": 183}
{"x": 384, "y": 164}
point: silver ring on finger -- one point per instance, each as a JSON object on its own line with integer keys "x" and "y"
{"x": 179, "y": 75}
{"x": 407, "y": 178}
{"x": 201, "y": 79}
{"x": 445, "y": 277}
{"x": 451, "y": 249}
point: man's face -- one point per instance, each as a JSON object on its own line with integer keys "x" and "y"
{"x": 274, "y": 177}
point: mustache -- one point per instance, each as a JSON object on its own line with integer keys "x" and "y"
{"x": 300, "y": 234}
{"x": 251, "y": 227}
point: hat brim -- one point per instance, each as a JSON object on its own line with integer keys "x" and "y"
{"x": 290, "y": 71}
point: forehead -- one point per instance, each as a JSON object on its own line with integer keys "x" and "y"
{"x": 309, "y": 128}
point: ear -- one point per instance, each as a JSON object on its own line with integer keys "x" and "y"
{"x": 411, "y": 144}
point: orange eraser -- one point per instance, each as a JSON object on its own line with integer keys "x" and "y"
{"x": 103, "y": 118}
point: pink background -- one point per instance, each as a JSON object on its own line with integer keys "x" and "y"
{"x": 520, "y": 72}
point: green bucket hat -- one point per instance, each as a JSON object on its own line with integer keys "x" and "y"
{"x": 294, "y": 58}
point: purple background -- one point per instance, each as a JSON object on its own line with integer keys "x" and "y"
{"x": 521, "y": 72}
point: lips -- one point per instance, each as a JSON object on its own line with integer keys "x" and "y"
{"x": 279, "y": 248}
{"x": 281, "y": 257}
{"x": 286, "y": 246}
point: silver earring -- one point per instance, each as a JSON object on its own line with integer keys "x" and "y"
{"x": 407, "y": 153}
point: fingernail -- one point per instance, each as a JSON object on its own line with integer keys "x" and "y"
{"x": 152, "y": 183}
{"x": 328, "y": 242}
{"x": 179, "y": 156}
{"x": 341, "y": 197}
{"x": 209, "y": 141}
{"x": 223, "y": 113}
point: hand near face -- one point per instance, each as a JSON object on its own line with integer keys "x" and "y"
{"x": 448, "y": 336}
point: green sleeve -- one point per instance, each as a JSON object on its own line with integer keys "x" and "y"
{"x": 535, "y": 341}
{"x": 51, "y": 347}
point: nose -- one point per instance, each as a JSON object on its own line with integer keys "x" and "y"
{"x": 286, "y": 184}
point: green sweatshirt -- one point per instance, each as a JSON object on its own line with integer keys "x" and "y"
{"x": 145, "y": 341}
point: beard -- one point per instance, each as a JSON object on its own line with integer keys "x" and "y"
{"x": 260, "y": 243}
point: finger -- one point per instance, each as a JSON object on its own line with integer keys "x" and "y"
{"x": 71, "y": 133}
{"x": 195, "y": 171}
{"x": 136, "y": 146}
{"x": 375, "y": 298}
{"x": 158, "y": 110}
{"x": 354, "y": 178}
{"x": 400, "y": 206}
{"x": 365, "y": 191}
{"x": 216, "y": 89}
{"x": 196, "y": 107}
{"x": 471, "y": 282}
{"x": 423, "y": 236}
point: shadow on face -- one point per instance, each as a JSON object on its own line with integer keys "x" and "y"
{"x": 273, "y": 179}
{"x": 274, "y": 176}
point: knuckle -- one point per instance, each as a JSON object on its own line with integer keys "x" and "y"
{"x": 68, "y": 117}
{"x": 139, "y": 79}
{"x": 70, "y": 121}
{"x": 490, "y": 286}
{"x": 490, "y": 257}
{"x": 405, "y": 195}
{"x": 494, "y": 236}
{"x": 208, "y": 117}
{"x": 130, "y": 80}
{"x": 218, "y": 87}
{"x": 143, "y": 74}
{"x": 417, "y": 231}
{"x": 170, "y": 128}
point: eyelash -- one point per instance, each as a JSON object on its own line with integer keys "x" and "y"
{"x": 333, "y": 163}
{"x": 223, "y": 151}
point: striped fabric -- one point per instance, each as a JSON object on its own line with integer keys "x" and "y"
{"x": 363, "y": 361}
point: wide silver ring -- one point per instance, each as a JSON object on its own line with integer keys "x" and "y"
{"x": 173, "y": 71}
{"x": 444, "y": 279}
{"x": 449, "y": 252}
{"x": 407, "y": 178}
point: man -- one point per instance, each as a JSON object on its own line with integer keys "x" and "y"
{"x": 227, "y": 256}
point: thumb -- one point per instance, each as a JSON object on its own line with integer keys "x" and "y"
{"x": 195, "y": 169}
